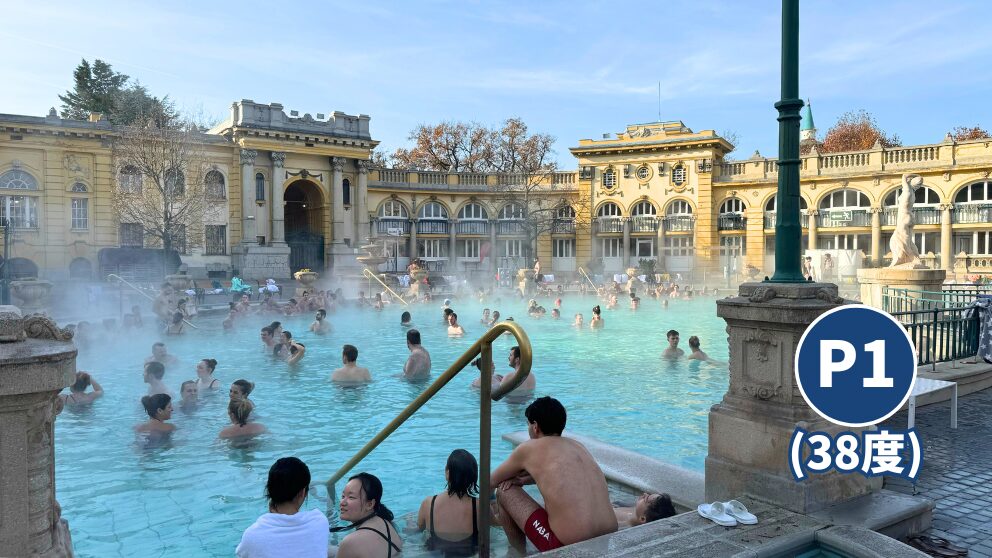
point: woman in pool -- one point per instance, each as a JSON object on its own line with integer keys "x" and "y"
{"x": 361, "y": 504}
{"x": 289, "y": 350}
{"x": 451, "y": 517}
{"x": 175, "y": 327}
{"x": 77, "y": 391}
{"x": 578, "y": 320}
{"x": 238, "y": 412}
{"x": 154, "y": 372}
{"x": 285, "y": 530}
{"x": 495, "y": 319}
{"x": 159, "y": 409}
{"x": 205, "y": 375}
{"x": 240, "y": 390}
{"x": 597, "y": 318}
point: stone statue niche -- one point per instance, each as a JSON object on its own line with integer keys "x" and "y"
{"x": 905, "y": 254}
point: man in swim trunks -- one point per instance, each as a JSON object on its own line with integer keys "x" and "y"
{"x": 577, "y": 502}
{"x": 418, "y": 364}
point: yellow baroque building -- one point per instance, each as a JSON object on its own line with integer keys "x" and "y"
{"x": 656, "y": 191}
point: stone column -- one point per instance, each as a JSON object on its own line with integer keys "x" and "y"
{"x": 493, "y": 254}
{"x": 248, "y": 195}
{"x": 946, "y": 235}
{"x": 813, "y": 226}
{"x": 337, "y": 194}
{"x": 876, "y": 235}
{"x": 750, "y": 429}
{"x": 361, "y": 200}
{"x": 452, "y": 242}
{"x": 625, "y": 254}
{"x": 276, "y": 199}
{"x": 37, "y": 360}
{"x": 660, "y": 251}
{"x": 412, "y": 249}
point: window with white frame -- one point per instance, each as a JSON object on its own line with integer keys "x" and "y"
{"x": 773, "y": 203}
{"x": 79, "y": 212}
{"x": 129, "y": 180}
{"x": 732, "y": 206}
{"x": 644, "y": 208}
{"x": 643, "y": 173}
{"x": 844, "y": 242}
{"x": 923, "y": 196}
{"x": 608, "y": 209}
{"x": 216, "y": 240}
{"x": 979, "y": 192}
{"x": 432, "y": 248}
{"x": 680, "y": 174}
{"x": 16, "y": 179}
{"x": 844, "y": 198}
{"x": 610, "y": 178}
{"x": 679, "y": 246}
{"x": 679, "y": 207}
{"x": 21, "y": 210}
{"x": 214, "y": 182}
{"x": 78, "y": 187}
{"x": 472, "y": 211}
{"x": 644, "y": 248}
{"x": 432, "y": 210}
{"x": 392, "y": 209}
{"x": 612, "y": 247}
{"x": 513, "y": 248}
{"x": 511, "y": 212}
{"x": 565, "y": 213}
{"x": 470, "y": 248}
{"x": 975, "y": 243}
{"x": 563, "y": 248}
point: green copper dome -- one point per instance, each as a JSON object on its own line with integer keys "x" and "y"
{"x": 807, "y": 122}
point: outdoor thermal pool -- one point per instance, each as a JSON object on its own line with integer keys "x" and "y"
{"x": 196, "y": 494}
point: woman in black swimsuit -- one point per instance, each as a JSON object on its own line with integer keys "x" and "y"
{"x": 205, "y": 375}
{"x": 374, "y": 533}
{"x": 446, "y": 516}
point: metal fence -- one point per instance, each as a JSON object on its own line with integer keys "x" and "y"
{"x": 952, "y": 296}
{"x": 941, "y": 334}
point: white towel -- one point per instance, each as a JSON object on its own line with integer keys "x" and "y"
{"x": 303, "y": 534}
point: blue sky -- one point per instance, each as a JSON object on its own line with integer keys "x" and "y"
{"x": 571, "y": 69}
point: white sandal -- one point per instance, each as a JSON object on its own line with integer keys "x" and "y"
{"x": 739, "y": 512}
{"x": 717, "y": 513}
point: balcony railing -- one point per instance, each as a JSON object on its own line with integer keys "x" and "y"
{"x": 836, "y": 218}
{"x": 609, "y": 225}
{"x": 972, "y": 213}
{"x": 921, "y": 216}
{"x": 731, "y": 222}
{"x": 643, "y": 223}
{"x": 679, "y": 223}
{"x": 430, "y": 226}
{"x": 511, "y": 227}
{"x": 770, "y": 220}
{"x": 392, "y": 226}
{"x": 472, "y": 227}
{"x": 563, "y": 227}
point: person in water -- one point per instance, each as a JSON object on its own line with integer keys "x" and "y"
{"x": 159, "y": 409}
{"x": 374, "y": 535}
{"x": 477, "y": 383}
{"x": 485, "y": 317}
{"x": 529, "y": 384}
{"x": 350, "y": 372}
{"x": 406, "y": 320}
{"x": 578, "y": 320}
{"x": 320, "y": 325}
{"x": 289, "y": 350}
{"x": 418, "y": 364}
{"x": 77, "y": 391}
{"x": 239, "y": 412}
{"x": 597, "y": 318}
{"x": 161, "y": 354}
{"x": 454, "y": 329}
{"x": 205, "y": 375}
{"x": 648, "y": 507}
{"x": 672, "y": 351}
{"x": 154, "y": 372}
{"x": 558, "y": 466}
{"x": 286, "y": 530}
{"x": 240, "y": 390}
{"x": 697, "y": 354}
{"x": 188, "y": 394}
{"x": 451, "y": 518}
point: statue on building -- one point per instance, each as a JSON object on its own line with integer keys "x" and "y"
{"x": 904, "y": 251}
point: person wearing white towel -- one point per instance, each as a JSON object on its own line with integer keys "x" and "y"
{"x": 285, "y": 530}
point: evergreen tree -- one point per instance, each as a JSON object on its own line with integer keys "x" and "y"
{"x": 98, "y": 88}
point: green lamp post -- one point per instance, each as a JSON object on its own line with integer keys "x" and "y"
{"x": 788, "y": 231}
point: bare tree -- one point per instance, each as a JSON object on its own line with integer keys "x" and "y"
{"x": 161, "y": 184}
{"x": 447, "y": 147}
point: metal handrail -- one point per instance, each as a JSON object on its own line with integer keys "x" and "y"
{"x": 483, "y": 347}
{"x": 371, "y": 275}
{"x": 583, "y": 272}
{"x": 144, "y": 294}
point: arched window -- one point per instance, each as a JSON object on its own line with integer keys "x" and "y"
{"x": 78, "y": 187}
{"x": 392, "y": 209}
{"x": 473, "y": 211}
{"x": 80, "y": 268}
{"x": 732, "y": 206}
{"x": 772, "y": 203}
{"x": 215, "y": 185}
{"x": 979, "y": 192}
{"x": 432, "y": 210}
{"x": 175, "y": 183}
{"x": 678, "y": 207}
{"x": 679, "y": 174}
{"x": 346, "y": 191}
{"x": 609, "y": 178}
{"x": 259, "y": 187}
{"x": 16, "y": 179}
{"x": 511, "y": 212}
{"x": 608, "y": 209}
{"x": 924, "y": 196}
{"x": 644, "y": 208}
{"x": 565, "y": 213}
{"x": 129, "y": 180}
{"x": 22, "y": 268}
{"x": 844, "y": 199}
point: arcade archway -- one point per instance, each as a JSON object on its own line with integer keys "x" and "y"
{"x": 304, "y": 224}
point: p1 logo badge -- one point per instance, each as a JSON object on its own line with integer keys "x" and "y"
{"x": 856, "y": 366}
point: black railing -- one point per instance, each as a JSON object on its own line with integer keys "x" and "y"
{"x": 679, "y": 223}
{"x": 731, "y": 222}
{"x": 609, "y": 225}
{"x": 835, "y": 218}
{"x": 428, "y": 226}
{"x": 472, "y": 227}
{"x": 511, "y": 227}
{"x": 770, "y": 220}
{"x": 563, "y": 227}
{"x": 972, "y": 213}
{"x": 941, "y": 334}
{"x": 643, "y": 223}
{"x": 921, "y": 216}
{"x": 391, "y": 226}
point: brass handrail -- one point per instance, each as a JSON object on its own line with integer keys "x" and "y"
{"x": 583, "y": 272}
{"x": 144, "y": 294}
{"x": 484, "y": 348}
{"x": 371, "y": 275}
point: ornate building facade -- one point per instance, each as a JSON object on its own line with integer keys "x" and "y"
{"x": 298, "y": 191}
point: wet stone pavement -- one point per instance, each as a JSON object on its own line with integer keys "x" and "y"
{"x": 957, "y": 470}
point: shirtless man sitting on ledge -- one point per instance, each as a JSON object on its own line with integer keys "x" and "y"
{"x": 577, "y": 502}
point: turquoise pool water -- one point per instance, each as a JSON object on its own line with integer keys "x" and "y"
{"x": 196, "y": 494}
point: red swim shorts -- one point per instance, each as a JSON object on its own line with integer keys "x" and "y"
{"x": 538, "y": 530}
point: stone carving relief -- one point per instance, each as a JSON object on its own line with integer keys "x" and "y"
{"x": 824, "y": 294}
{"x": 364, "y": 166}
{"x": 337, "y": 164}
{"x": 38, "y": 326}
{"x": 248, "y": 156}
{"x": 72, "y": 164}
{"x": 762, "y": 355}
{"x": 762, "y": 294}
{"x": 278, "y": 158}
